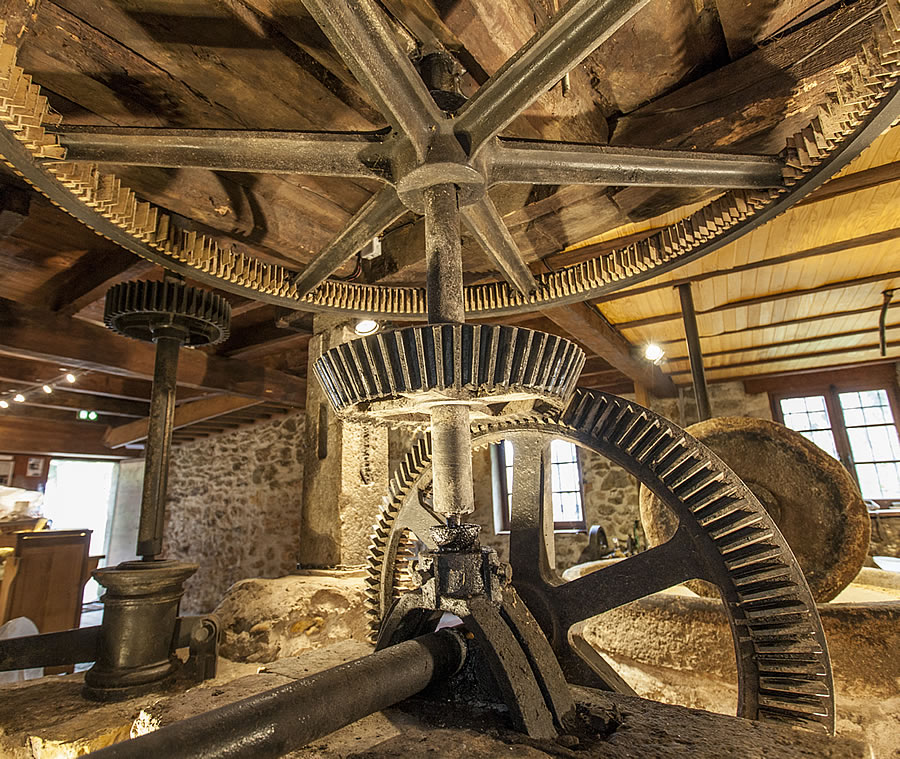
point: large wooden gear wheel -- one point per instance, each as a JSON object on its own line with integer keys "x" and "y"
{"x": 426, "y": 146}
{"x": 724, "y": 536}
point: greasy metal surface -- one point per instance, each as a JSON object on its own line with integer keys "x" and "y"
{"x": 430, "y": 149}
{"x": 725, "y": 537}
{"x": 138, "y": 633}
{"x": 695, "y": 353}
{"x": 277, "y": 721}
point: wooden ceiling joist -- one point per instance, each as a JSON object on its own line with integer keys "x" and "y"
{"x": 41, "y": 436}
{"x": 185, "y": 416}
{"x": 35, "y": 333}
{"x": 587, "y": 326}
{"x": 841, "y": 246}
{"x": 758, "y": 299}
{"x": 63, "y": 400}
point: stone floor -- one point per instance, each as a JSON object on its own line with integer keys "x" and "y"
{"x": 47, "y": 719}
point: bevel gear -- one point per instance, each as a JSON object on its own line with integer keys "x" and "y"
{"x": 399, "y": 374}
{"x": 141, "y": 308}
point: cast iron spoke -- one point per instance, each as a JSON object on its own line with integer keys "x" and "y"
{"x": 485, "y": 223}
{"x": 532, "y": 552}
{"x": 339, "y": 154}
{"x": 535, "y": 162}
{"x": 638, "y": 576}
{"x": 379, "y": 212}
{"x": 362, "y": 35}
{"x": 539, "y": 64}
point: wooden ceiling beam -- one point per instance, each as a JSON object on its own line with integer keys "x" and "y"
{"x": 64, "y": 400}
{"x": 873, "y": 330}
{"x": 858, "y": 180}
{"x": 72, "y": 289}
{"x": 45, "y": 336}
{"x": 795, "y": 357}
{"x": 759, "y": 299}
{"x": 55, "y": 438}
{"x": 588, "y": 327}
{"x": 24, "y": 371}
{"x": 185, "y": 415}
{"x": 818, "y": 319}
{"x": 841, "y": 246}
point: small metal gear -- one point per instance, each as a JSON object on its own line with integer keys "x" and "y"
{"x": 140, "y": 309}
{"x": 399, "y": 374}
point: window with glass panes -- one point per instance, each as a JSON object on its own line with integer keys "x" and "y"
{"x": 856, "y": 426}
{"x": 565, "y": 483}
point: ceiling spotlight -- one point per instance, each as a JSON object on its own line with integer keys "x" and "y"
{"x": 19, "y": 398}
{"x": 47, "y": 389}
{"x": 653, "y": 353}
{"x": 366, "y": 327}
{"x": 70, "y": 378}
{"x": 4, "y": 404}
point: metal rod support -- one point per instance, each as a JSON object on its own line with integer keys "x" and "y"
{"x": 532, "y": 162}
{"x": 692, "y": 335}
{"x": 156, "y": 452}
{"x": 451, "y": 444}
{"x": 312, "y": 153}
{"x": 280, "y": 720}
{"x": 443, "y": 255}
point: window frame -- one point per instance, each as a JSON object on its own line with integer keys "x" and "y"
{"x": 831, "y": 385}
{"x": 501, "y": 495}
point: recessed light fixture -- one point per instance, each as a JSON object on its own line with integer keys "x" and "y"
{"x": 366, "y": 327}
{"x": 653, "y": 353}
{"x": 47, "y": 389}
{"x": 70, "y": 378}
{"x": 19, "y": 398}
{"x": 4, "y": 404}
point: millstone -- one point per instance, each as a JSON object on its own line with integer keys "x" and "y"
{"x": 810, "y": 495}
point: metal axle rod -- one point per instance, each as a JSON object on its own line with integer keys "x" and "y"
{"x": 533, "y": 162}
{"x": 272, "y": 723}
{"x": 333, "y": 154}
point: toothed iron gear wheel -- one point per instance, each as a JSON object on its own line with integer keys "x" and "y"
{"x": 139, "y": 309}
{"x": 810, "y": 495}
{"x": 862, "y": 100}
{"x": 399, "y": 373}
{"x": 724, "y": 536}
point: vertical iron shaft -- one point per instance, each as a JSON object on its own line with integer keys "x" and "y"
{"x": 451, "y": 436}
{"x": 692, "y": 335}
{"x": 156, "y": 450}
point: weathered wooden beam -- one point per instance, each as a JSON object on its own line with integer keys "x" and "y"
{"x": 61, "y": 399}
{"x": 758, "y": 299}
{"x": 185, "y": 415}
{"x": 587, "y": 326}
{"x": 35, "y": 333}
{"x": 72, "y": 289}
{"x": 54, "y": 438}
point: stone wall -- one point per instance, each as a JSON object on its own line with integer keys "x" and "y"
{"x": 233, "y": 507}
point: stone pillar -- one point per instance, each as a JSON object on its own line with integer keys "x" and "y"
{"x": 346, "y": 472}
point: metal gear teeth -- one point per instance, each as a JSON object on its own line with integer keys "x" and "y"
{"x": 775, "y": 614}
{"x": 870, "y": 77}
{"x": 131, "y": 308}
{"x": 475, "y": 362}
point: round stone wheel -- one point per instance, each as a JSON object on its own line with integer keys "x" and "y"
{"x": 809, "y": 494}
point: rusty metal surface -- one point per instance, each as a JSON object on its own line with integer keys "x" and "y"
{"x": 725, "y": 537}
{"x": 807, "y": 493}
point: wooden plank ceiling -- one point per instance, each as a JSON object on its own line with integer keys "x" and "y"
{"x": 711, "y": 74}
